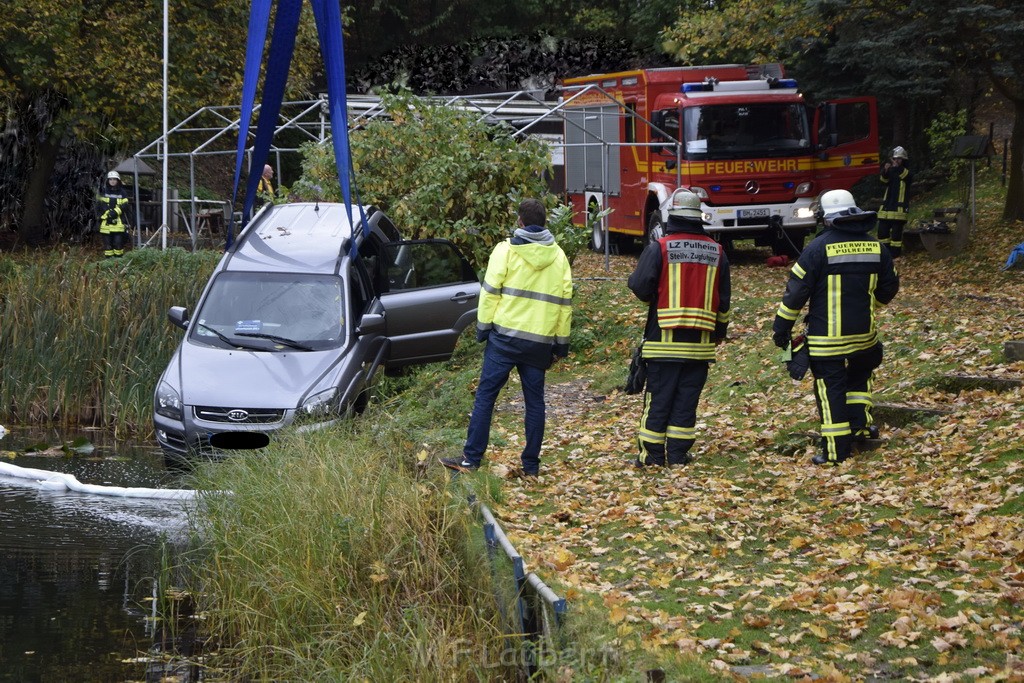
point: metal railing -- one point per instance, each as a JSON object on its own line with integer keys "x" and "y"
{"x": 537, "y": 613}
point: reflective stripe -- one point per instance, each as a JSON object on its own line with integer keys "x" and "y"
{"x": 787, "y": 313}
{"x": 834, "y": 308}
{"x": 530, "y": 336}
{"x": 679, "y": 350}
{"x": 687, "y": 433}
{"x": 647, "y": 436}
{"x": 536, "y": 296}
{"x": 835, "y": 429}
{"x": 798, "y": 271}
{"x": 859, "y": 397}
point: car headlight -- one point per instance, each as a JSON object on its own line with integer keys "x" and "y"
{"x": 320, "y": 403}
{"x": 167, "y": 402}
{"x": 804, "y": 212}
{"x": 803, "y": 188}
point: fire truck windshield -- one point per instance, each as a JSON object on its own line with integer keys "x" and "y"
{"x": 740, "y": 130}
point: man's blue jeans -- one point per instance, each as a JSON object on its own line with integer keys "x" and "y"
{"x": 493, "y": 376}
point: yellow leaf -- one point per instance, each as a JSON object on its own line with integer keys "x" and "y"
{"x": 422, "y": 455}
{"x": 360, "y": 618}
{"x": 818, "y": 631}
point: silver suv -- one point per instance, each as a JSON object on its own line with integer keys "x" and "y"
{"x": 297, "y": 319}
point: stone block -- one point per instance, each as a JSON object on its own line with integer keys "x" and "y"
{"x": 1014, "y": 350}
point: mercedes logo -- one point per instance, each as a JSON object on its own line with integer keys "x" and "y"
{"x": 752, "y": 187}
{"x": 237, "y": 415}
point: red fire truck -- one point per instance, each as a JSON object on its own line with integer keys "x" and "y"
{"x": 740, "y": 136}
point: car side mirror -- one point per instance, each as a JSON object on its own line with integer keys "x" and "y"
{"x": 178, "y": 316}
{"x": 372, "y": 323}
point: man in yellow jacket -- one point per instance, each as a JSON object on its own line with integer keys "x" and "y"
{"x": 525, "y": 315}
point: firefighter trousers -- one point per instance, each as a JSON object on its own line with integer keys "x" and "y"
{"x": 669, "y": 419}
{"x": 842, "y": 390}
{"x": 113, "y": 241}
{"x": 890, "y": 233}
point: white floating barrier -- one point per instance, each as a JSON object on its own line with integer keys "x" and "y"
{"x": 59, "y": 481}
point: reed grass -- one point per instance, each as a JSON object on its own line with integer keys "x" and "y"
{"x": 85, "y": 340}
{"x": 332, "y": 560}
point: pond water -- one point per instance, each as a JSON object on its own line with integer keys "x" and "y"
{"x": 77, "y": 571}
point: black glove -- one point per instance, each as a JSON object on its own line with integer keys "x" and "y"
{"x": 111, "y": 215}
{"x": 781, "y": 339}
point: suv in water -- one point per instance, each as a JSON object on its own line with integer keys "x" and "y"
{"x": 297, "y": 319}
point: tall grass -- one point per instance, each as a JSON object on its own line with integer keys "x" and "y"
{"x": 330, "y": 560}
{"x": 84, "y": 340}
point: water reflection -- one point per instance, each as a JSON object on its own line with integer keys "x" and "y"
{"x": 76, "y": 570}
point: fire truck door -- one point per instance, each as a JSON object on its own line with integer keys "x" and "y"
{"x": 847, "y": 142}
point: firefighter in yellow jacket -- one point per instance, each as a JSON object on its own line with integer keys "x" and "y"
{"x": 842, "y": 277}
{"x": 892, "y": 215}
{"x": 524, "y": 316}
{"x": 684, "y": 278}
{"x": 112, "y": 207}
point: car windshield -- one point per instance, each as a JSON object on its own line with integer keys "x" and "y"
{"x": 272, "y": 311}
{"x": 731, "y": 131}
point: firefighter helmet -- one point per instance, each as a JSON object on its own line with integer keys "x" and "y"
{"x": 685, "y": 204}
{"x": 113, "y": 175}
{"x": 838, "y": 206}
{"x": 899, "y": 153}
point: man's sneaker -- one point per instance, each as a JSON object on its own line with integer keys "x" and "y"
{"x": 459, "y": 464}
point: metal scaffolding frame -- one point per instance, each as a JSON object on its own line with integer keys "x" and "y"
{"x": 207, "y": 132}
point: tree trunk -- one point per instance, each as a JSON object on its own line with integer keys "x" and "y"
{"x": 1014, "y": 208}
{"x": 33, "y": 229}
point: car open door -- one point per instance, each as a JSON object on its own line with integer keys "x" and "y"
{"x": 847, "y": 142}
{"x": 430, "y": 296}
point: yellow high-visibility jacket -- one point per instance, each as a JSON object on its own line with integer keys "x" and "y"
{"x": 526, "y": 301}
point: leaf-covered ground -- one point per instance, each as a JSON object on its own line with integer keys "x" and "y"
{"x": 906, "y": 562}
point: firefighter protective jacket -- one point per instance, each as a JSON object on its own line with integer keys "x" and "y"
{"x": 896, "y": 201}
{"x": 684, "y": 277}
{"x": 845, "y": 273}
{"x": 526, "y": 301}
{"x": 112, "y": 207}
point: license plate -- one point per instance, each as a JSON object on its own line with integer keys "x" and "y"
{"x": 753, "y": 213}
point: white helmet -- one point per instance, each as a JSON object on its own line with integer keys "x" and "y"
{"x": 838, "y": 206}
{"x": 899, "y": 153}
{"x": 113, "y": 175}
{"x": 835, "y": 201}
{"x": 685, "y": 204}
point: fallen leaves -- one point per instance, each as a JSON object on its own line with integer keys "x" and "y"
{"x": 906, "y": 562}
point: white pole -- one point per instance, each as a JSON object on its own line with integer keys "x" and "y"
{"x": 163, "y": 226}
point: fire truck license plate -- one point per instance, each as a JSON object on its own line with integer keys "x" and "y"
{"x": 753, "y": 213}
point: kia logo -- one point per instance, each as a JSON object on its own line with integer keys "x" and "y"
{"x": 752, "y": 187}
{"x": 238, "y": 415}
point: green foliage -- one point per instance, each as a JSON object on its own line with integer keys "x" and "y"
{"x": 942, "y": 132}
{"x": 437, "y": 171}
{"x": 573, "y": 239}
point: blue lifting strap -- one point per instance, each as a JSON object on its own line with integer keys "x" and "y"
{"x": 279, "y": 60}
{"x": 282, "y": 45}
{"x": 259, "y": 17}
{"x": 329, "y": 29}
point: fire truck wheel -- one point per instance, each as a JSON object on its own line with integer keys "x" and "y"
{"x": 655, "y": 228}
{"x": 789, "y": 243}
{"x": 597, "y": 234}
